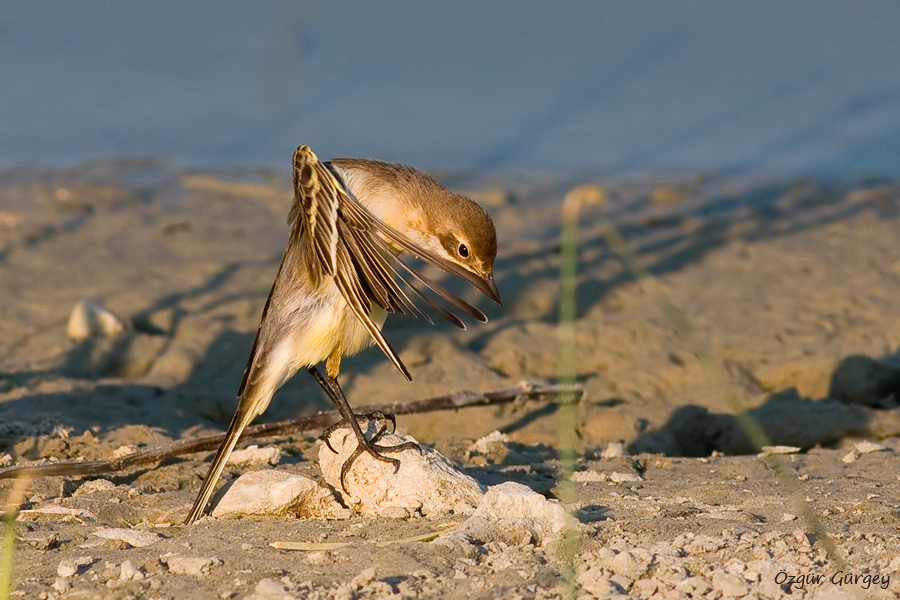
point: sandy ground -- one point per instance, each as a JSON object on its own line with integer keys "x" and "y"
{"x": 785, "y": 286}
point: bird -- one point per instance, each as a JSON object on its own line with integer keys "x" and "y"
{"x": 353, "y": 221}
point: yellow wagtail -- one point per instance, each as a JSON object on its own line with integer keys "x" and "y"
{"x": 340, "y": 276}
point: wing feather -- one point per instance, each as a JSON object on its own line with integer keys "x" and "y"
{"x": 343, "y": 240}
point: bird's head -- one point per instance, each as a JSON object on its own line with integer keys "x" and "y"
{"x": 461, "y": 232}
{"x": 450, "y": 226}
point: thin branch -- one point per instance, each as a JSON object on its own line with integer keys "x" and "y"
{"x": 153, "y": 455}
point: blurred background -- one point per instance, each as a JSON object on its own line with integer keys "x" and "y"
{"x": 749, "y": 153}
{"x": 808, "y": 87}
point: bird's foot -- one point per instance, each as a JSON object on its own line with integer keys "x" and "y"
{"x": 367, "y": 445}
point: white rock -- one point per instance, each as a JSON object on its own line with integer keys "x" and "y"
{"x": 317, "y": 558}
{"x": 255, "y": 456}
{"x": 93, "y": 486}
{"x": 269, "y": 589}
{"x": 426, "y": 481}
{"x": 867, "y": 447}
{"x": 512, "y": 513}
{"x": 137, "y": 539}
{"x": 56, "y": 510}
{"x": 850, "y": 457}
{"x": 614, "y": 450}
{"x": 90, "y": 319}
{"x": 633, "y": 563}
{"x": 786, "y": 517}
{"x": 768, "y": 450}
{"x": 588, "y": 476}
{"x": 61, "y": 585}
{"x": 70, "y": 566}
{"x": 624, "y": 477}
{"x": 272, "y": 492}
{"x": 130, "y": 573}
{"x": 731, "y": 586}
{"x": 596, "y": 584}
{"x": 487, "y": 444}
{"x": 123, "y": 451}
{"x": 189, "y": 565}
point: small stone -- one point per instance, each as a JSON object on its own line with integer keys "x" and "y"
{"x": 801, "y": 537}
{"x": 130, "y": 573}
{"x": 55, "y": 510}
{"x": 94, "y": 486}
{"x": 122, "y": 451}
{"x": 491, "y": 449}
{"x": 189, "y": 565}
{"x": 254, "y": 456}
{"x": 272, "y": 492}
{"x": 269, "y": 589}
{"x": 595, "y": 583}
{"x": 318, "y": 558}
{"x": 61, "y": 584}
{"x": 850, "y": 457}
{"x": 631, "y": 563}
{"x": 614, "y": 450}
{"x": 41, "y": 541}
{"x": 364, "y": 578}
{"x": 695, "y": 586}
{"x": 136, "y": 539}
{"x": 71, "y": 566}
{"x": 731, "y": 586}
{"x": 769, "y": 450}
{"x": 588, "y": 476}
{"x": 624, "y": 477}
{"x": 512, "y": 513}
{"x": 90, "y": 319}
{"x": 867, "y": 447}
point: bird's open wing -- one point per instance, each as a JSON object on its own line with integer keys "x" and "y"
{"x": 340, "y": 238}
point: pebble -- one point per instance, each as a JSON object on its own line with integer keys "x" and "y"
{"x": 273, "y": 492}
{"x": 624, "y": 477}
{"x": 130, "y": 573}
{"x": 867, "y": 447}
{"x": 769, "y": 450}
{"x": 614, "y": 450}
{"x": 91, "y": 319}
{"x": 589, "y": 476}
{"x": 136, "y": 539}
{"x": 189, "y": 565}
{"x": 41, "y": 541}
{"x": 512, "y": 513}
{"x": 850, "y": 457}
{"x": 61, "y": 584}
{"x": 254, "y": 456}
{"x": 71, "y": 566}
{"x": 94, "y": 486}
{"x": 487, "y": 444}
{"x": 269, "y": 589}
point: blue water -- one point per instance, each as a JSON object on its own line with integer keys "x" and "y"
{"x": 801, "y": 87}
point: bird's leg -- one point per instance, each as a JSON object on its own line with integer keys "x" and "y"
{"x": 336, "y": 395}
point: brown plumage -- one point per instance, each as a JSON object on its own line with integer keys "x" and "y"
{"x": 342, "y": 272}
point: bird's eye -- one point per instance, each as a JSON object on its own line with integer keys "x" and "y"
{"x": 463, "y": 251}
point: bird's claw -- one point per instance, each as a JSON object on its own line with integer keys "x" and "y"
{"x": 370, "y": 446}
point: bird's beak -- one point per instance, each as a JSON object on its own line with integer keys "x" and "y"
{"x": 489, "y": 287}
{"x": 485, "y": 283}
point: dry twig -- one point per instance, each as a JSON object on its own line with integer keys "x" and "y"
{"x": 155, "y": 454}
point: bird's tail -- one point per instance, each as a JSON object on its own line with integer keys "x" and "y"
{"x": 239, "y": 422}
